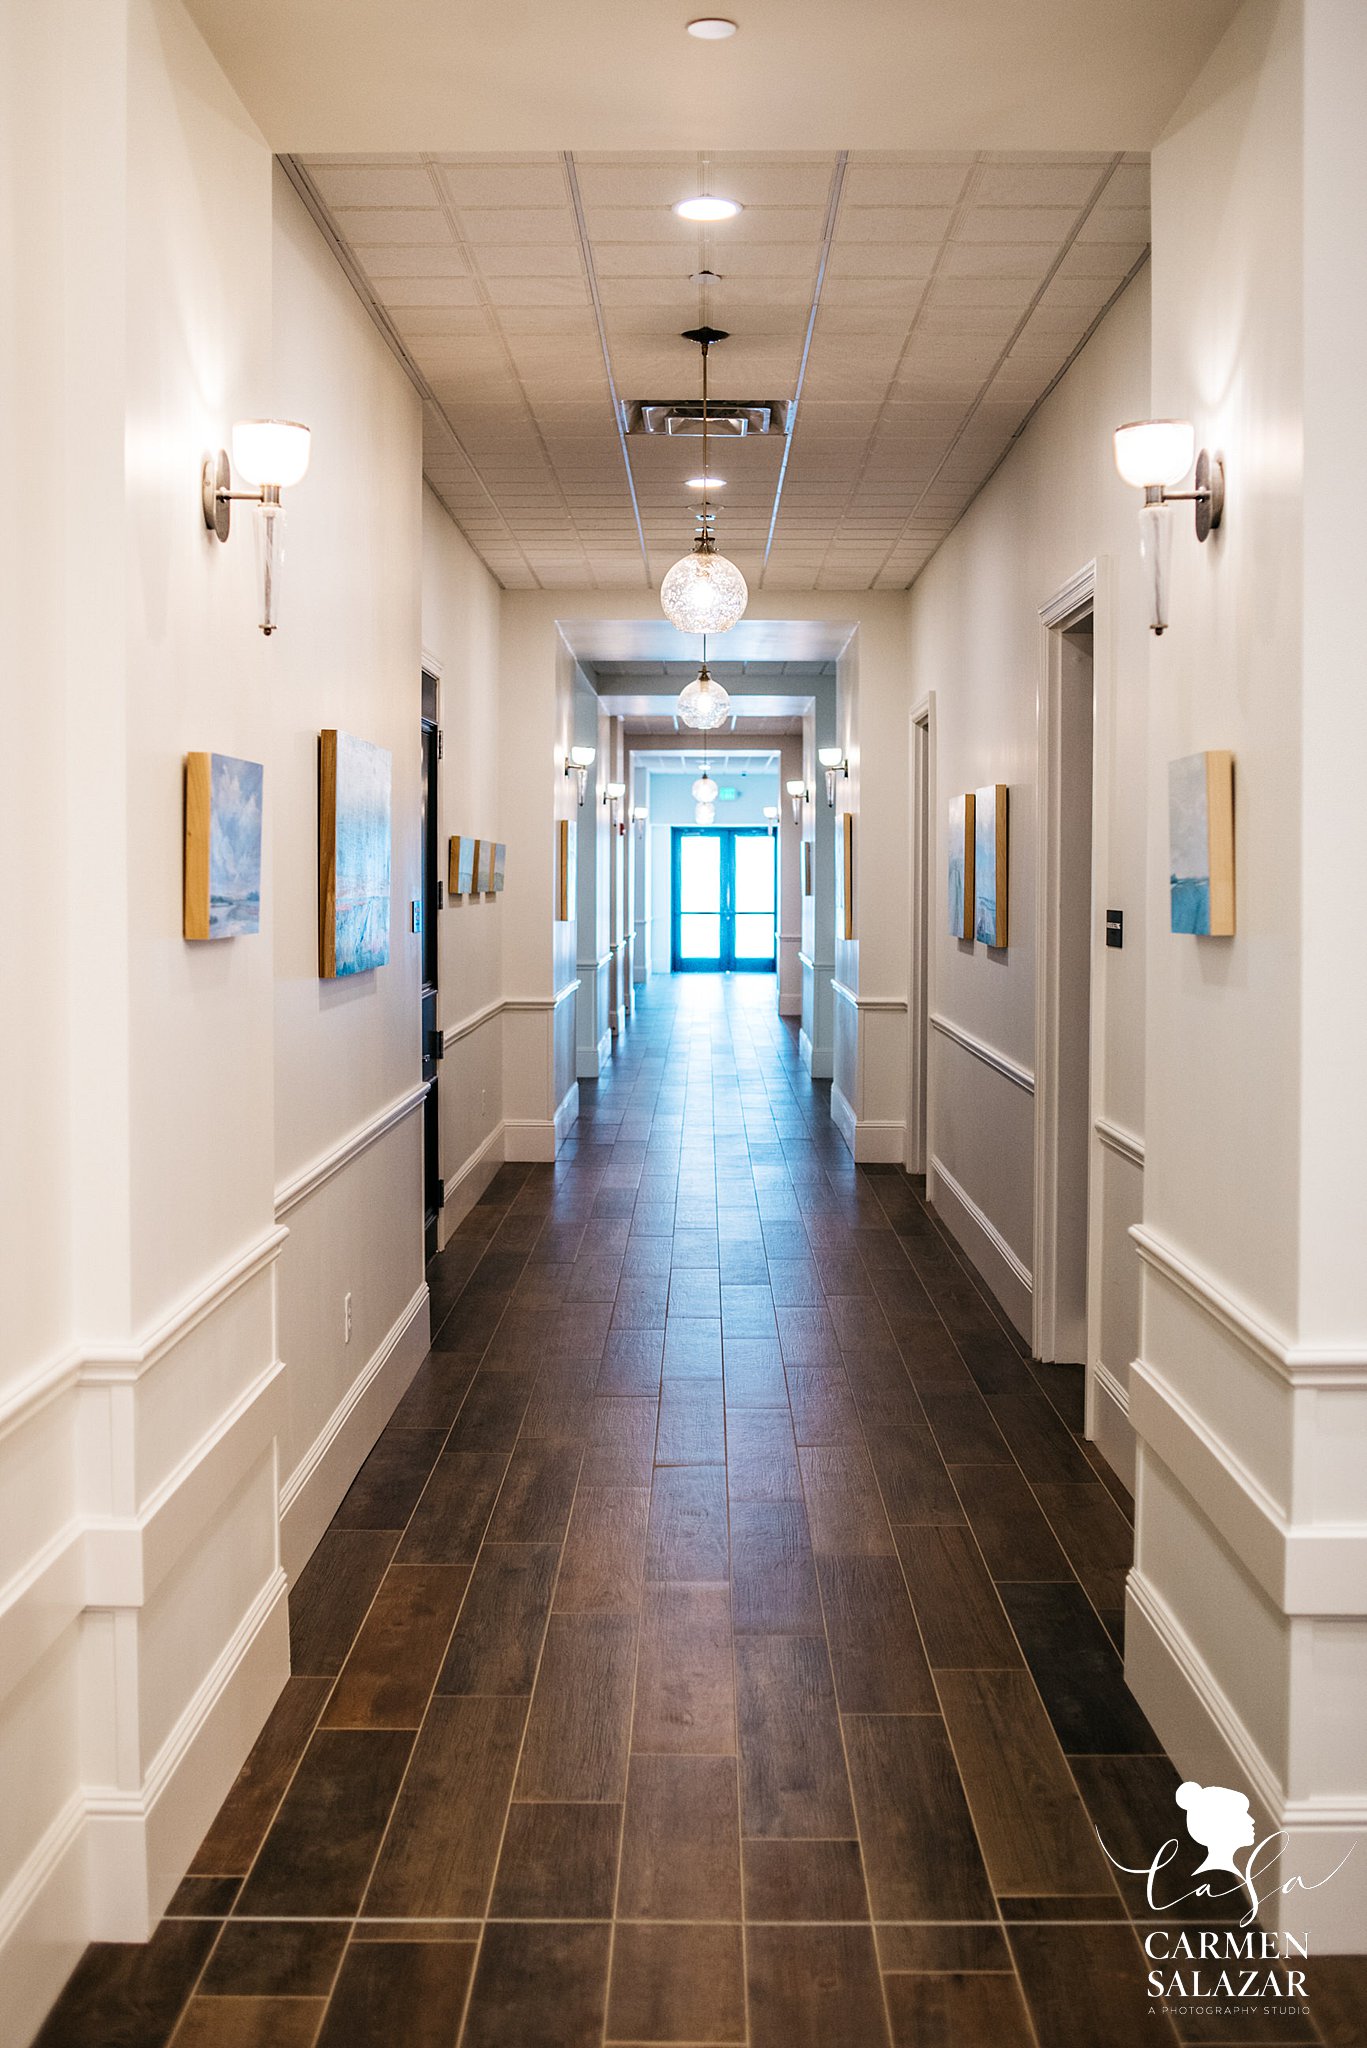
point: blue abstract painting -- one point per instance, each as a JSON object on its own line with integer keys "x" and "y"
{"x": 354, "y": 866}
{"x": 234, "y": 847}
{"x": 1201, "y": 844}
{"x": 1189, "y": 845}
{"x": 989, "y": 864}
{"x": 960, "y": 866}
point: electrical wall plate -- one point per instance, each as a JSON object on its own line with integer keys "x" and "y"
{"x": 1115, "y": 928}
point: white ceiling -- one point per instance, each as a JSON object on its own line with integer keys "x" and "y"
{"x": 939, "y": 75}
{"x": 739, "y": 762}
{"x": 911, "y": 308}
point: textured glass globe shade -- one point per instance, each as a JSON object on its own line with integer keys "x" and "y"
{"x": 703, "y": 814}
{"x": 705, "y": 790}
{"x": 704, "y": 593}
{"x": 702, "y": 704}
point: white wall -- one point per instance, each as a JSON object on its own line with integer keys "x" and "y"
{"x": 976, "y": 642}
{"x": 1247, "y": 1624}
{"x": 460, "y": 639}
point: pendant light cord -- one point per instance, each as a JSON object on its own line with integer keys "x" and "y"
{"x": 706, "y": 470}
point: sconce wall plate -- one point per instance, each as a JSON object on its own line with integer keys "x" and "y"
{"x": 1210, "y": 493}
{"x": 216, "y": 482}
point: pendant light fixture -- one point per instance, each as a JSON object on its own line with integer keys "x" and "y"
{"x": 704, "y": 789}
{"x": 704, "y": 592}
{"x": 703, "y": 704}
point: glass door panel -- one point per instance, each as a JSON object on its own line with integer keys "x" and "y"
{"x": 698, "y": 900}
{"x": 724, "y": 899}
{"x": 754, "y": 898}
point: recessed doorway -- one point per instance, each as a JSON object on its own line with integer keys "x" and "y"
{"x": 724, "y": 900}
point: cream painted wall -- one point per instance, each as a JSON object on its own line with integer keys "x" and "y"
{"x": 1246, "y": 1637}
{"x": 347, "y": 1052}
{"x": 976, "y": 641}
{"x": 460, "y": 639}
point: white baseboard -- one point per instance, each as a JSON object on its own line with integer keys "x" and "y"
{"x": 591, "y": 1060}
{"x": 311, "y": 1495}
{"x": 843, "y": 1116}
{"x": 139, "y": 1844}
{"x": 466, "y": 1186}
{"x": 567, "y": 1113}
{"x": 1206, "y": 1738}
{"x": 529, "y": 1139}
{"x": 1005, "y": 1273}
{"x": 43, "y": 1921}
{"x": 873, "y": 1142}
{"x": 1108, "y": 1423}
{"x": 819, "y": 1061}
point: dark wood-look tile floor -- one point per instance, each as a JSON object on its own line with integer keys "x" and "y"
{"x": 717, "y": 1647}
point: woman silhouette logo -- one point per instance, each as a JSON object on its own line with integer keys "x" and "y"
{"x": 1219, "y": 1821}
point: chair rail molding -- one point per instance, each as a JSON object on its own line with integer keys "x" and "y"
{"x": 1001, "y": 1062}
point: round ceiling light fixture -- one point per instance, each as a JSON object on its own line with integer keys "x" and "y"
{"x": 707, "y": 483}
{"x": 711, "y": 28}
{"x": 704, "y": 592}
{"x": 704, "y": 789}
{"x": 707, "y": 207}
{"x": 703, "y": 704}
{"x": 704, "y": 814}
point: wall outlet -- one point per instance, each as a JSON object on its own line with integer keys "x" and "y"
{"x": 346, "y": 1318}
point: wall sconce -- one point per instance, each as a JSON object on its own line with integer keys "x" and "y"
{"x": 640, "y": 815}
{"x": 798, "y": 792}
{"x": 272, "y": 454}
{"x": 1153, "y": 455}
{"x": 578, "y": 762}
{"x": 833, "y": 761}
{"x": 771, "y": 816}
{"x": 613, "y": 792}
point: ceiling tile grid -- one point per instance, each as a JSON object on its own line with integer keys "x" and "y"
{"x": 910, "y": 309}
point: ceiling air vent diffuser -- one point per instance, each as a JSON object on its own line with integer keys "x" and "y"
{"x": 728, "y": 419}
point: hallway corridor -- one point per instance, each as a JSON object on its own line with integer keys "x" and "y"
{"x": 719, "y": 1645}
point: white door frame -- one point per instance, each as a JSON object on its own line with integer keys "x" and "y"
{"x": 1087, "y": 591}
{"x": 918, "y": 1155}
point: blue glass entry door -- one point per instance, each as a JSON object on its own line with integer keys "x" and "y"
{"x": 724, "y": 899}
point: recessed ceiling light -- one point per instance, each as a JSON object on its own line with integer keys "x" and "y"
{"x": 711, "y": 28}
{"x": 707, "y": 208}
{"x": 707, "y": 483}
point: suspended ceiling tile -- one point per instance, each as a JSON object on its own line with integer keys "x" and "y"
{"x": 512, "y": 183}
{"x": 363, "y": 225}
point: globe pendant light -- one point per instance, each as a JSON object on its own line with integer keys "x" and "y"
{"x": 703, "y": 704}
{"x": 704, "y": 592}
{"x": 704, "y": 789}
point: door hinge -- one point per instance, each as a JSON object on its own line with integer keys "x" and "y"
{"x": 441, "y": 743}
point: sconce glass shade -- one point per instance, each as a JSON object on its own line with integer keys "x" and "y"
{"x": 613, "y": 792}
{"x": 705, "y": 790}
{"x": 1154, "y": 452}
{"x": 1155, "y": 551}
{"x": 640, "y": 814}
{"x": 831, "y": 757}
{"x": 270, "y": 452}
{"x": 582, "y": 757}
{"x": 704, "y": 593}
{"x": 704, "y": 814}
{"x": 771, "y": 812}
{"x": 703, "y": 704}
{"x": 796, "y": 788}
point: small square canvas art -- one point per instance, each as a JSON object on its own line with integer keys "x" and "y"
{"x": 484, "y": 865}
{"x": 460, "y": 874}
{"x": 500, "y": 858}
{"x": 1201, "y": 844}
{"x": 844, "y": 876}
{"x": 961, "y": 866}
{"x": 990, "y": 864}
{"x": 567, "y": 835}
{"x": 353, "y": 855}
{"x": 222, "y": 881}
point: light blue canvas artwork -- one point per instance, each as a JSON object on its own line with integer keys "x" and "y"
{"x": 988, "y": 923}
{"x": 234, "y": 847}
{"x": 960, "y": 866}
{"x": 1189, "y": 844}
{"x": 361, "y": 917}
